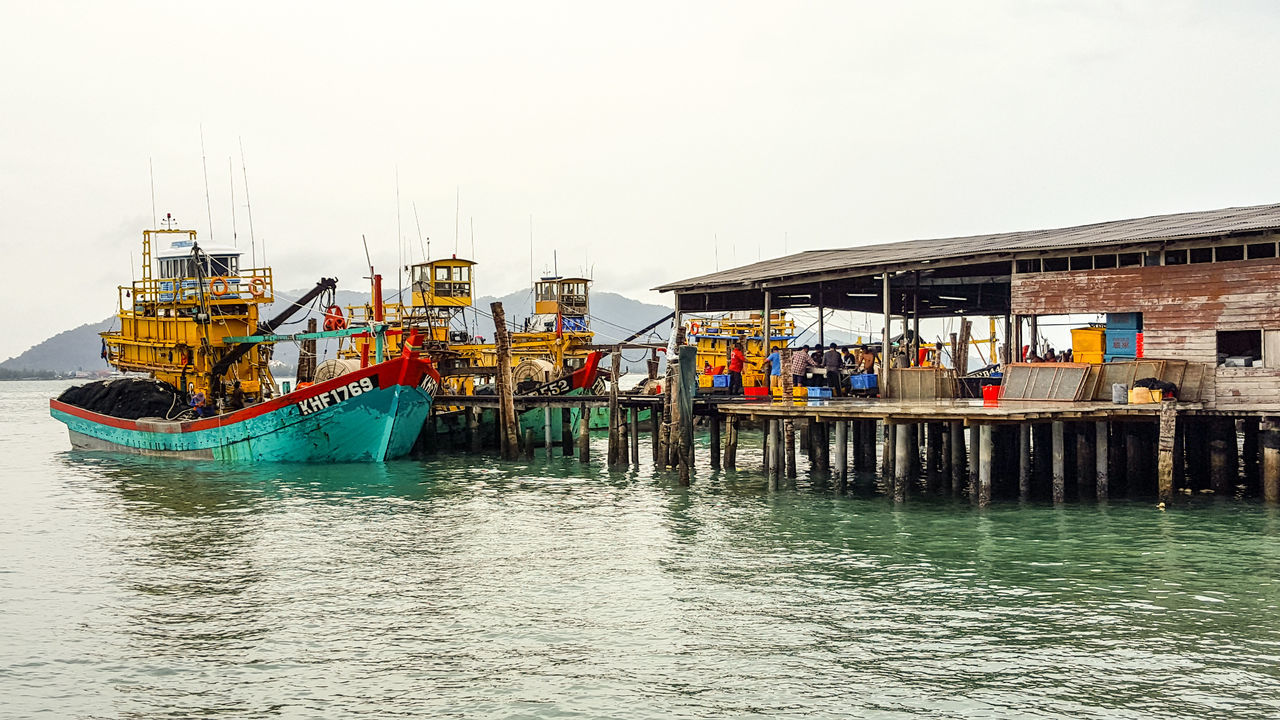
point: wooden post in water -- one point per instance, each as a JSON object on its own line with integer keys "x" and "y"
{"x": 528, "y": 442}
{"x": 1222, "y": 447}
{"x": 731, "y": 443}
{"x": 1164, "y": 451}
{"x": 842, "y": 454}
{"x": 933, "y": 457}
{"x": 688, "y": 386}
{"x": 1270, "y": 442}
{"x": 655, "y": 435}
{"x": 615, "y": 416}
{"x": 307, "y": 355}
{"x": 888, "y": 452}
{"x": 1024, "y": 461}
{"x": 770, "y": 452}
{"x": 624, "y": 436}
{"x": 634, "y": 436}
{"x": 1059, "y": 462}
{"x": 986, "y": 460}
{"x": 546, "y": 430}
{"x": 714, "y": 421}
{"x": 584, "y": 434}
{"x": 1249, "y": 428}
{"x": 975, "y": 452}
{"x": 902, "y": 449}
{"x": 1102, "y": 458}
{"x": 508, "y": 440}
{"x": 956, "y": 429}
{"x": 473, "y": 428}
{"x": 1086, "y": 466}
{"x": 566, "y": 432}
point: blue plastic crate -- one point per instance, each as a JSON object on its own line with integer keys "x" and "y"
{"x": 819, "y": 392}
{"x": 1121, "y": 342}
{"x": 862, "y": 382}
{"x": 719, "y": 381}
{"x": 1124, "y": 321}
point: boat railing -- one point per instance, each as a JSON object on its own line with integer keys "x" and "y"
{"x": 253, "y": 285}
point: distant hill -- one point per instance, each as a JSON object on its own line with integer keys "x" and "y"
{"x": 613, "y": 318}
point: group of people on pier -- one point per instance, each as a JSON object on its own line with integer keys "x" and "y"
{"x": 809, "y": 366}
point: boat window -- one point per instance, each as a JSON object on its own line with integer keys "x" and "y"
{"x": 442, "y": 272}
{"x": 462, "y": 274}
{"x": 546, "y": 291}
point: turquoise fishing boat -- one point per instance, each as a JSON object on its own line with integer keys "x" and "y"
{"x": 368, "y": 415}
{"x": 191, "y": 325}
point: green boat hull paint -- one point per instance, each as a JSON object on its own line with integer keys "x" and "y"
{"x": 370, "y": 415}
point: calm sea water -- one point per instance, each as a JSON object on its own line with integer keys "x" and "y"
{"x": 468, "y": 587}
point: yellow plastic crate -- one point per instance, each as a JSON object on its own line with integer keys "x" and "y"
{"x": 704, "y": 381}
{"x": 1082, "y": 356}
{"x": 1144, "y": 396}
{"x": 1086, "y": 340}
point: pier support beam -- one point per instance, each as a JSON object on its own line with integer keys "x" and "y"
{"x": 528, "y": 443}
{"x": 888, "y": 453}
{"x": 1085, "y": 465}
{"x": 546, "y": 431}
{"x": 1102, "y": 458}
{"x": 714, "y": 421}
{"x": 1222, "y": 456}
{"x": 842, "y": 455}
{"x": 774, "y": 453}
{"x": 1024, "y": 462}
{"x": 789, "y": 444}
{"x": 731, "y": 443}
{"x": 472, "y": 417}
{"x": 1059, "y": 462}
{"x": 933, "y": 457}
{"x": 566, "y": 432}
{"x": 508, "y": 439}
{"x": 584, "y": 434}
{"x": 1164, "y": 452}
{"x": 986, "y": 460}
{"x": 975, "y": 454}
{"x": 633, "y": 435}
{"x": 616, "y": 450}
{"x": 1270, "y": 442}
{"x": 902, "y": 449}
{"x": 956, "y": 430}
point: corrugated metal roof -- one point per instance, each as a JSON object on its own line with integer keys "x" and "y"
{"x": 894, "y": 255}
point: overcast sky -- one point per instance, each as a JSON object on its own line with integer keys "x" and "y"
{"x": 640, "y": 137}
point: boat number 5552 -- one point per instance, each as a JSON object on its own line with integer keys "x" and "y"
{"x": 336, "y": 395}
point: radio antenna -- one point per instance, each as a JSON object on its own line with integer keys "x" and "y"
{"x": 231, "y": 175}
{"x": 425, "y": 253}
{"x": 205, "y": 164}
{"x": 399, "y": 244}
{"x": 253, "y": 243}
{"x": 473, "y": 238}
{"x": 457, "y": 215}
{"x": 152, "y": 170}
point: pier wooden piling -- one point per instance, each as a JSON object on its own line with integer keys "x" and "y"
{"x": 1024, "y": 462}
{"x": 958, "y": 451}
{"x": 616, "y": 450}
{"x": 1164, "y": 472}
{"x": 714, "y": 424}
{"x": 1059, "y": 462}
{"x": 584, "y": 435}
{"x": 566, "y": 432}
{"x": 986, "y": 461}
{"x": 731, "y": 443}
{"x": 507, "y": 428}
{"x": 1102, "y": 459}
{"x": 1270, "y": 442}
{"x": 842, "y": 455}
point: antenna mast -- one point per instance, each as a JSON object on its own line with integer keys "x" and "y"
{"x": 399, "y": 244}
{"x": 253, "y": 244}
{"x": 457, "y": 215}
{"x": 473, "y": 237}
{"x": 205, "y": 164}
{"x": 152, "y": 170}
{"x": 231, "y": 175}
{"x": 425, "y": 252}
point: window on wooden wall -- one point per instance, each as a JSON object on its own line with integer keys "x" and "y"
{"x": 1236, "y": 344}
{"x": 1082, "y": 262}
{"x": 1227, "y": 253}
{"x": 1201, "y": 255}
{"x": 1055, "y": 264}
{"x": 1104, "y": 261}
{"x": 1175, "y": 257}
{"x": 1130, "y": 259}
{"x": 1262, "y": 250}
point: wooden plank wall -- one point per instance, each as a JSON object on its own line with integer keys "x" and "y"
{"x": 1182, "y": 307}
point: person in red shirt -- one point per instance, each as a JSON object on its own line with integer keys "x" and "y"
{"x": 736, "y": 361}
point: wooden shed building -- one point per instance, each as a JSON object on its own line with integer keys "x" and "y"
{"x": 1207, "y": 286}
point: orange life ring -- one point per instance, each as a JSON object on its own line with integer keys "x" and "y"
{"x": 219, "y": 286}
{"x": 257, "y": 286}
{"x": 694, "y": 328}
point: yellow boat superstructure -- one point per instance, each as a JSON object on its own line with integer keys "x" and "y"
{"x": 173, "y": 320}
{"x": 713, "y": 337}
{"x": 554, "y": 341}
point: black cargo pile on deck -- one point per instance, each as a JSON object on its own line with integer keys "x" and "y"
{"x": 128, "y": 398}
